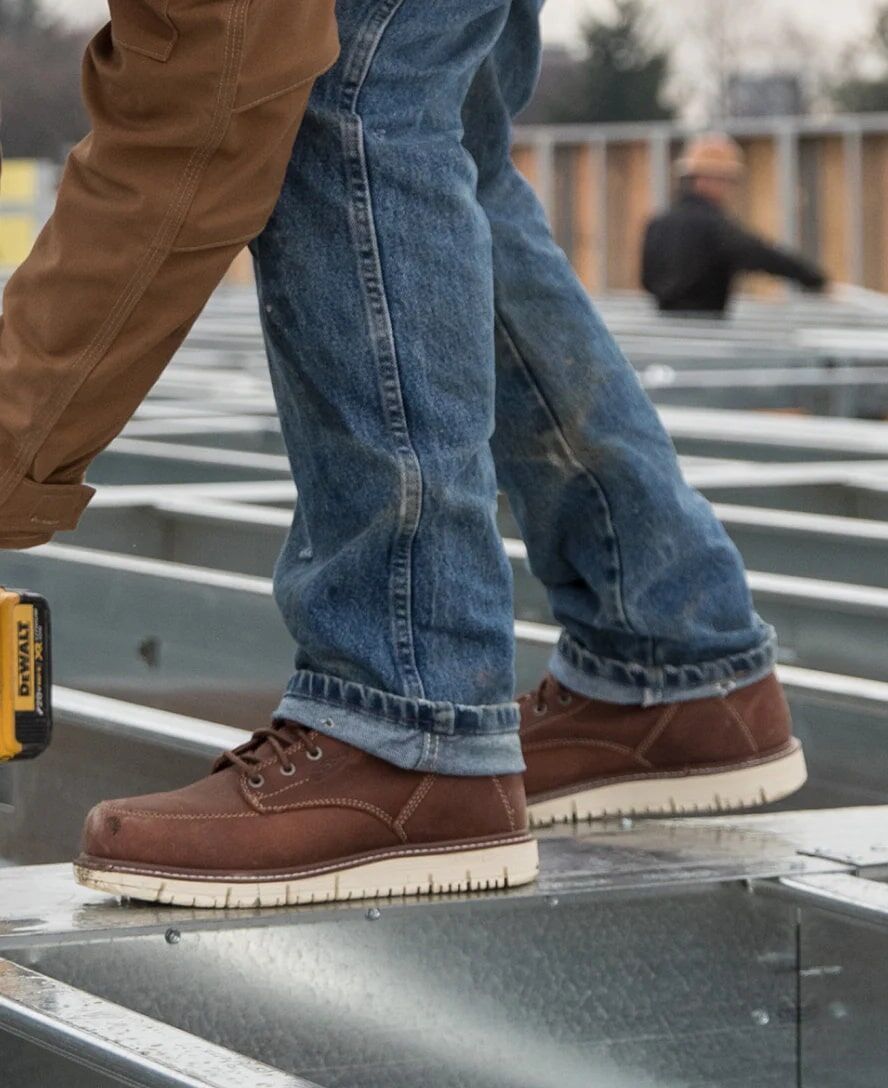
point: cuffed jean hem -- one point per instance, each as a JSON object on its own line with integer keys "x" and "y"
{"x": 415, "y": 734}
{"x": 628, "y": 684}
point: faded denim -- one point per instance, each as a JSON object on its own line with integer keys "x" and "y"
{"x": 414, "y": 302}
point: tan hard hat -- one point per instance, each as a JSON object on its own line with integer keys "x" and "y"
{"x": 712, "y": 156}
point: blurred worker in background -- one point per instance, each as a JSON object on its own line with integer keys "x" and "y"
{"x": 693, "y": 252}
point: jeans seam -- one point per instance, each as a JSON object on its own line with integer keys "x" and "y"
{"x": 610, "y": 532}
{"x": 568, "y": 645}
{"x": 422, "y": 759}
{"x": 331, "y": 701}
{"x": 655, "y": 681}
{"x": 382, "y": 337}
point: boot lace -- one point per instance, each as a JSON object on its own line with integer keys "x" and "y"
{"x": 548, "y": 691}
{"x": 284, "y": 738}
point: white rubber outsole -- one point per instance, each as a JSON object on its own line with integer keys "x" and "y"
{"x": 501, "y": 866}
{"x": 680, "y": 794}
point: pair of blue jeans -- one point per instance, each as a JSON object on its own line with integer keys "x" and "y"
{"x": 427, "y": 342}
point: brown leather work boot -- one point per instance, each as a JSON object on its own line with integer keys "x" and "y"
{"x": 294, "y": 817}
{"x": 588, "y": 759}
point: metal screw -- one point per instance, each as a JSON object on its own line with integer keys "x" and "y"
{"x": 554, "y": 900}
{"x": 761, "y": 1017}
{"x": 374, "y": 914}
{"x": 627, "y": 823}
{"x": 172, "y": 936}
{"x": 839, "y": 1011}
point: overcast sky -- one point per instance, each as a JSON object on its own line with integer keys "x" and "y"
{"x": 846, "y": 17}
{"x": 561, "y": 17}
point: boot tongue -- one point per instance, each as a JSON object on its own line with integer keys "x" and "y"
{"x": 287, "y": 732}
{"x": 550, "y": 686}
{"x": 258, "y": 746}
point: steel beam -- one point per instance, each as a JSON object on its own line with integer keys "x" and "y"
{"x": 69, "y": 1028}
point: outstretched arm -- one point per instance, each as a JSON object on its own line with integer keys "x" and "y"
{"x": 747, "y": 252}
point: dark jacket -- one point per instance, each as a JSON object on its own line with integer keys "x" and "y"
{"x": 693, "y": 252}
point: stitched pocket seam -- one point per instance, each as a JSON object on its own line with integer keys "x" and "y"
{"x": 162, "y": 55}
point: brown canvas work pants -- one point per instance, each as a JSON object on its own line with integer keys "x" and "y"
{"x": 195, "y": 106}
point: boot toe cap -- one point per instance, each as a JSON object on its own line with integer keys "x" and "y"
{"x": 107, "y": 832}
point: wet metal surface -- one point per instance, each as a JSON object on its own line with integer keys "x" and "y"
{"x": 127, "y": 1047}
{"x": 843, "y": 1001}
{"x": 40, "y": 905}
{"x": 840, "y": 893}
{"x": 650, "y": 955}
{"x": 856, "y": 837}
{"x": 622, "y": 992}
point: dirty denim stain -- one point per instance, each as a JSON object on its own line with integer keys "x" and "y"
{"x": 428, "y": 341}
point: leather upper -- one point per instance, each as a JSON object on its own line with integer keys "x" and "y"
{"x": 302, "y": 811}
{"x": 569, "y": 740}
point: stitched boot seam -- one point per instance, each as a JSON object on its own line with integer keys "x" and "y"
{"x": 507, "y": 804}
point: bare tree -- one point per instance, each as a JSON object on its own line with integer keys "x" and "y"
{"x": 714, "y": 40}
{"x": 620, "y": 77}
{"x": 716, "y": 37}
{"x": 861, "y": 85}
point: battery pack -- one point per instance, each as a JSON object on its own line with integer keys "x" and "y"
{"x": 25, "y": 680}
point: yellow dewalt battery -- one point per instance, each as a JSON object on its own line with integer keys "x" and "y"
{"x": 25, "y": 680}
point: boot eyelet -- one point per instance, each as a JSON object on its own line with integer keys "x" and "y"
{"x": 565, "y": 699}
{"x": 289, "y": 770}
{"x": 314, "y": 754}
{"x": 541, "y": 710}
{"x": 256, "y": 782}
